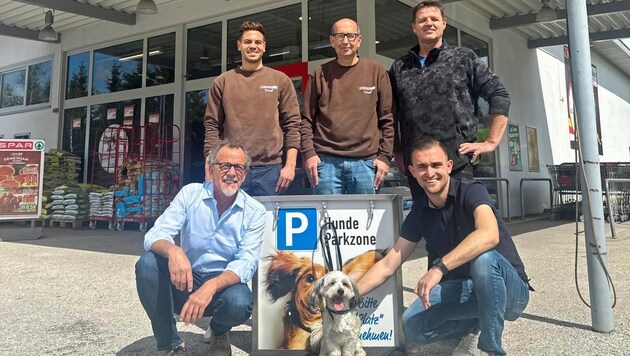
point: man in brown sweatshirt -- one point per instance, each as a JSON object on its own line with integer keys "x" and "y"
{"x": 347, "y": 124}
{"x": 257, "y": 107}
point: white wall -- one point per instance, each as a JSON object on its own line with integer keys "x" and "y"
{"x": 41, "y": 123}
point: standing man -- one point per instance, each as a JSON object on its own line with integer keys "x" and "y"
{"x": 347, "y": 123}
{"x": 221, "y": 230}
{"x": 436, "y": 88}
{"x": 257, "y": 106}
{"x": 475, "y": 279}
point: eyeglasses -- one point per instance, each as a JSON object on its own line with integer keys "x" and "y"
{"x": 225, "y": 167}
{"x": 350, "y": 36}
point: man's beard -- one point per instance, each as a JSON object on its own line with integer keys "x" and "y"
{"x": 229, "y": 191}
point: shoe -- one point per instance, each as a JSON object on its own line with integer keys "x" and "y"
{"x": 219, "y": 345}
{"x": 468, "y": 346}
{"x": 179, "y": 350}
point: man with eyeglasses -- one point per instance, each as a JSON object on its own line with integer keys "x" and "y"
{"x": 347, "y": 124}
{"x": 436, "y": 90}
{"x": 258, "y": 107}
{"x": 221, "y": 233}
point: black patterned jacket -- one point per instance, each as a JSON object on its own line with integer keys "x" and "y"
{"x": 439, "y": 100}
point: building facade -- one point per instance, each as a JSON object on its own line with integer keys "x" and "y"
{"x": 159, "y": 70}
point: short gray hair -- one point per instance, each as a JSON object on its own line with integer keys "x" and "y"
{"x": 211, "y": 158}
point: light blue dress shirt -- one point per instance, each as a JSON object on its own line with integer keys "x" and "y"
{"x": 213, "y": 244}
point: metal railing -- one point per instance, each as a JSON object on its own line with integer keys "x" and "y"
{"x": 507, "y": 196}
{"x": 609, "y": 194}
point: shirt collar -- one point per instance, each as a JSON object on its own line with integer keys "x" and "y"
{"x": 416, "y": 49}
{"x": 452, "y": 192}
{"x": 208, "y": 193}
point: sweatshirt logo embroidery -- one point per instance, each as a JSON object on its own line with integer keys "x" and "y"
{"x": 367, "y": 90}
{"x": 269, "y": 88}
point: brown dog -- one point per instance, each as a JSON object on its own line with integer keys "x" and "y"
{"x": 288, "y": 273}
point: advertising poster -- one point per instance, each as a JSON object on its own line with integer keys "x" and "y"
{"x": 532, "y": 149}
{"x": 292, "y": 261}
{"x": 514, "y": 148}
{"x": 21, "y": 177}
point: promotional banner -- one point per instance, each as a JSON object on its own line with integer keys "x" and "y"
{"x": 21, "y": 178}
{"x": 364, "y": 227}
{"x": 514, "y": 148}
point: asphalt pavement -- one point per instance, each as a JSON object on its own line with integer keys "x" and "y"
{"x": 72, "y": 292}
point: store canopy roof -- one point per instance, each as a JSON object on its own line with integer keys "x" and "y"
{"x": 609, "y": 20}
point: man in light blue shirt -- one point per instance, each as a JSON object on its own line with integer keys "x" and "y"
{"x": 221, "y": 236}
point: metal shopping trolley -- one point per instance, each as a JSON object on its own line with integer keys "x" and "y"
{"x": 142, "y": 175}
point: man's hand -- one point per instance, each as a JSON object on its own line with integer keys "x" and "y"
{"x": 381, "y": 172}
{"x": 476, "y": 148}
{"x": 287, "y": 174}
{"x": 180, "y": 269}
{"x": 311, "y": 170}
{"x": 196, "y": 304}
{"x": 426, "y": 284}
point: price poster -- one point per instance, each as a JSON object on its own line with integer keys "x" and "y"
{"x": 21, "y": 178}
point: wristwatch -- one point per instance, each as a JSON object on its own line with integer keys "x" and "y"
{"x": 439, "y": 264}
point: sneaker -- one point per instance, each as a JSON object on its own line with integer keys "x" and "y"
{"x": 179, "y": 350}
{"x": 219, "y": 345}
{"x": 468, "y": 346}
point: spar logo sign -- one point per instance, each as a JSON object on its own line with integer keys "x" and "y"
{"x": 297, "y": 229}
{"x": 22, "y": 145}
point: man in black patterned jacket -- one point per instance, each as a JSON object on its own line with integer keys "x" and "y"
{"x": 436, "y": 87}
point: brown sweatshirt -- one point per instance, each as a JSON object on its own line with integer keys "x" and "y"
{"x": 348, "y": 112}
{"x": 256, "y": 109}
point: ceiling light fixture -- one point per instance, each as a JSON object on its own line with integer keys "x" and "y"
{"x": 48, "y": 33}
{"x": 546, "y": 13}
{"x": 146, "y": 7}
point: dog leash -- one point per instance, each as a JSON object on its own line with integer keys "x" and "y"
{"x": 326, "y": 226}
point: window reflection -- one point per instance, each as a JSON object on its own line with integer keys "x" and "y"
{"x": 74, "y": 135}
{"x": 321, "y": 16}
{"x": 283, "y": 34}
{"x": 161, "y": 60}
{"x": 77, "y": 76}
{"x": 118, "y": 67}
{"x": 38, "y": 88}
{"x": 203, "y": 51}
{"x": 12, "y": 89}
{"x": 196, "y": 102}
{"x": 393, "y": 29}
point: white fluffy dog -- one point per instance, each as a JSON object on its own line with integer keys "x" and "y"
{"x": 337, "y": 297}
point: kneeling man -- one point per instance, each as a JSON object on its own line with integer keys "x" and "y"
{"x": 475, "y": 279}
{"x": 221, "y": 237}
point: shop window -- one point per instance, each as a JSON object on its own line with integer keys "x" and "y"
{"x": 194, "y": 162}
{"x": 322, "y": 14}
{"x": 38, "y": 83}
{"x": 107, "y": 149}
{"x": 118, "y": 68}
{"x": 74, "y": 135}
{"x": 203, "y": 51}
{"x": 13, "y": 89}
{"x": 161, "y": 60}
{"x": 78, "y": 75}
{"x": 22, "y": 136}
{"x": 394, "y": 37}
{"x": 283, "y": 36}
{"x": 25, "y": 87}
{"x": 158, "y": 123}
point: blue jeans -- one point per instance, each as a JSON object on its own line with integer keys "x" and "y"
{"x": 161, "y": 300}
{"x": 495, "y": 293}
{"x": 342, "y": 175}
{"x": 262, "y": 180}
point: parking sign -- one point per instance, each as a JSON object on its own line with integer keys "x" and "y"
{"x": 297, "y": 229}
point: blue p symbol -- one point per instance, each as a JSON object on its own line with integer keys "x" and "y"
{"x": 297, "y": 229}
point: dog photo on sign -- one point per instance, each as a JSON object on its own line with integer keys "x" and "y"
{"x": 290, "y": 279}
